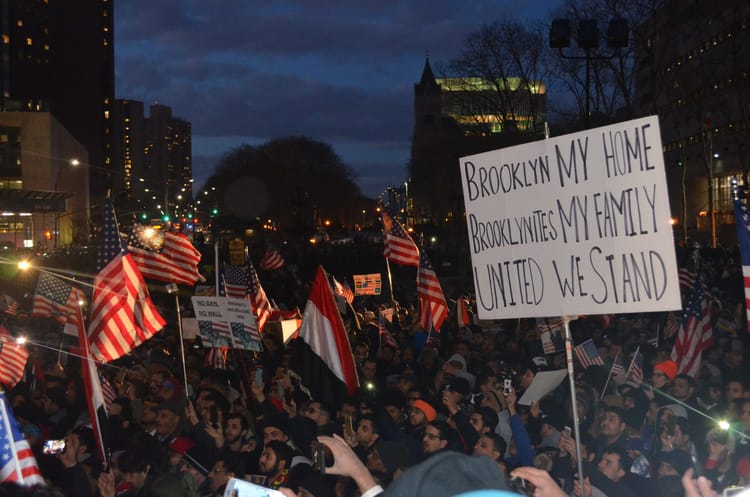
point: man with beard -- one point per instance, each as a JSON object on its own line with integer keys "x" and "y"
{"x": 275, "y": 462}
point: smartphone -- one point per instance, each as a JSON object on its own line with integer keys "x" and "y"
{"x": 280, "y": 388}
{"x": 241, "y": 488}
{"x": 52, "y": 447}
{"x": 214, "y": 416}
{"x": 321, "y": 459}
{"x": 348, "y": 426}
{"x": 733, "y": 491}
{"x": 567, "y": 431}
{"x": 259, "y": 376}
{"x": 507, "y": 386}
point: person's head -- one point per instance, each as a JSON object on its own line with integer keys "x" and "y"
{"x": 276, "y": 457}
{"x": 168, "y": 418}
{"x": 314, "y": 411}
{"x": 436, "y": 437}
{"x": 236, "y": 427}
{"x": 735, "y": 389}
{"x": 484, "y": 420}
{"x": 733, "y": 354}
{"x": 225, "y": 468}
{"x": 394, "y": 403}
{"x": 457, "y": 389}
{"x": 663, "y": 373}
{"x": 615, "y": 463}
{"x": 275, "y": 430}
{"x": 369, "y": 368}
{"x": 683, "y": 387}
{"x": 135, "y": 466}
{"x": 361, "y": 352}
{"x": 367, "y": 432}
{"x": 385, "y": 459}
{"x": 612, "y": 424}
{"x": 421, "y": 413}
{"x": 745, "y": 415}
{"x": 491, "y": 445}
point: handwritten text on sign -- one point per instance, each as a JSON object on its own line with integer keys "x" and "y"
{"x": 576, "y": 224}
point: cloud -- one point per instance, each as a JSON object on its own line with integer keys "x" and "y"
{"x": 339, "y": 72}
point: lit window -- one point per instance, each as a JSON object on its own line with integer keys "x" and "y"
{"x": 29, "y": 41}
{"x": 6, "y": 39}
{"x": 19, "y": 23}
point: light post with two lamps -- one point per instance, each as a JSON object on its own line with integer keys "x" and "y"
{"x": 588, "y": 40}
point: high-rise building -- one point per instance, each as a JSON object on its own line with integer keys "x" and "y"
{"x": 168, "y": 160}
{"x": 692, "y": 70}
{"x": 154, "y": 155}
{"x": 58, "y": 57}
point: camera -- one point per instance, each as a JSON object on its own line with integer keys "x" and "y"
{"x": 322, "y": 458}
{"x": 52, "y": 447}
{"x": 520, "y": 486}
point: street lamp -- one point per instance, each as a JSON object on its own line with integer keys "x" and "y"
{"x": 72, "y": 163}
{"x": 588, "y": 39}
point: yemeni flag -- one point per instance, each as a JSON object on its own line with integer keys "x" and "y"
{"x": 324, "y": 356}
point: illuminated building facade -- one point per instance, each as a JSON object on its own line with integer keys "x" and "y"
{"x": 693, "y": 71}
{"x": 58, "y": 57}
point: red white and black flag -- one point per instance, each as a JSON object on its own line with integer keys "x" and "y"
{"x": 323, "y": 353}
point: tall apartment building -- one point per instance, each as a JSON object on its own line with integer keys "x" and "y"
{"x": 693, "y": 71}
{"x": 58, "y": 57}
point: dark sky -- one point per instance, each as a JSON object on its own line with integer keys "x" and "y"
{"x": 341, "y": 72}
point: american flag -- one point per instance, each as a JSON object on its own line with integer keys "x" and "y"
{"x": 235, "y": 281}
{"x": 618, "y": 371}
{"x": 216, "y": 358}
{"x": 385, "y": 335}
{"x": 164, "y": 256}
{"x": 96, "y": 400}
{"x": 635, "y": 372}
{"x": 56, "y": 298}
{"x": 398, "y": 245}
{"x": 743, "y": 237}
{"x": 696, "y": 333}
{"x": 587, "y": 354}
{"x": 343, "y": 290}
{"x": 433, "y": 308}
{"x": 271, "y": 260}
{"x": 17, "y": 463}
{"x": 672, "y": 326}
{"x": 122, "y": 314}
{"x": 13, "y": 357}
{"x": 8, "y": 305}
{"x": 258, "y": 300}
{"x": 108, "y": 391}
{"x": 214, "y": 334}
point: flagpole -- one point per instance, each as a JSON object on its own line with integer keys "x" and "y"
{"x": 390, "y": 281}
{"x": 216, "y": 266}
{"x": 172, "y": 288}
{"x": 627, "y": 374}
{"x": 571, "y": 378}
{"x": 604, "y": 389}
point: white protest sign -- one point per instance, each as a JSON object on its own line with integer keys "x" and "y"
{"x": 575, "y": 224}
{"x": 213, "y": 323}
{"x": 243, "y": 325}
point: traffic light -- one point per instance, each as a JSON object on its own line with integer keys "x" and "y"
{"x": 144, "y": 216}
{"x": 214, "y": 211}
{"x": 165, "y": 218}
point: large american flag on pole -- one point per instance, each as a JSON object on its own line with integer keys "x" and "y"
{"x": 433, "y": 308}
{"x": 56, "y": 298}
{"x": 17, "y": 463}
{"x": 398, "y": 245}
{"x": 164, "y": 256}
{"x": 122, "y": 314}
{"x": 743, "y": 237}
{"x": 13, "y": 357}
{"x": 696, "y": 332}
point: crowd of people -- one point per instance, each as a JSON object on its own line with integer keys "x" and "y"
{"x": 432, "y": 416}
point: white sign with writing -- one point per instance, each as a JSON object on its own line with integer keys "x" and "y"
{"x": 575, "y": 224}
{"x": 243, "y": 325}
